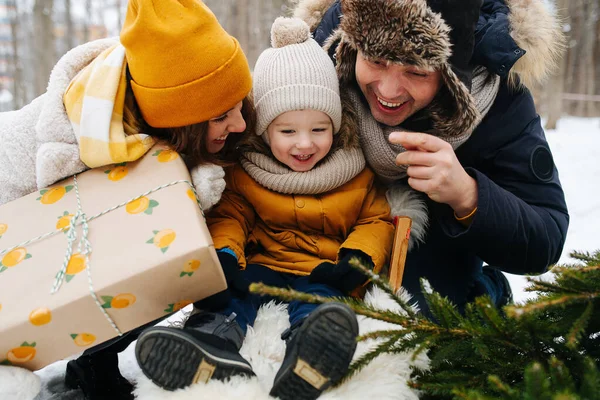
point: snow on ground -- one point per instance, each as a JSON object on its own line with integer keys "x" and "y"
{"x": 575, "y": 145}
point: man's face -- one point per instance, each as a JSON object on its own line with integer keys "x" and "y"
{"x": 395, "y": 92}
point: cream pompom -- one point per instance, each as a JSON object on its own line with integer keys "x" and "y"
{"x": 286, "y": 31}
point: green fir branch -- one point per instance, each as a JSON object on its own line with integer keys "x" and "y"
{"x": 441, "y": 308}
{"x": 547, "y": 348}
{"x": 590, "y": 385}
{"x": 560, "y": 377}
{"x": 537, "y": 384}
{"x": 578, "y": 328}
{"x": 380, "y": 335}
{"x": 490, "y": 314}
{"x": 385, "y": 347}
{"x": 384, "y": 285}
{"x": 576, "y": 278}
{"x": 542, "y": 305}
{"x": 502, "y": 388}
{"x": 551, "y": 287}
{"x": 359, "y": 307}
{"x": 586, "y": 257}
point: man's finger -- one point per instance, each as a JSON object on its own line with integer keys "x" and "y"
{"x": 419, "y": 172}
{"x": 420, "y": 185}
{"x": 417, "y": 140}
{"x": 415, "y": 158}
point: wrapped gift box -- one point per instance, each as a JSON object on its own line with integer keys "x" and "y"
{"x": 149, "y": 256}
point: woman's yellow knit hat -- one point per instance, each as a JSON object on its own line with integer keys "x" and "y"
{"x": 186, "y": 69}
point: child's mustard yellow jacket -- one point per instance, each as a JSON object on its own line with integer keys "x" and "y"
{"x": 295, "y": 233}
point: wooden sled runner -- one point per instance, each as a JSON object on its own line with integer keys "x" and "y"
{"x": 399, "y": 250}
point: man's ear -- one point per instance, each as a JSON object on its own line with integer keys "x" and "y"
{"x": 345, "y": 57}
{"x": 453, "y": 109}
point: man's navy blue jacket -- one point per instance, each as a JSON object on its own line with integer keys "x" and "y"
{"x": 522, "y": 218}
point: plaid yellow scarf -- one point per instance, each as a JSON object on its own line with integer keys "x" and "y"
{"x": 94, "y": 103}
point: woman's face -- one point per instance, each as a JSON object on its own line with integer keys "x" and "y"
{"x": 220, "y": 127}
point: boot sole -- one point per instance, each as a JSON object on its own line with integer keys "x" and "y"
{"x": 322, "y": 355}
{"x": 174, "y": 360}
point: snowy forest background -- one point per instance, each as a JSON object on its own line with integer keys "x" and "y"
{"x": 34, "y": 34}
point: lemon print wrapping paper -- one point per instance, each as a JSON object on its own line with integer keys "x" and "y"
{"x": 117, "y": 172}
{"x": 165, "y": 156}
{"x": 189, "y": 268}
{"x": 178, "y": 305}
{"x": 83, "y": 339}
{"x": 64, "y": 221}
{"x": 13, "y": 258}
{"x": 141, "y": 263}
{"x": 40, "y": 316}
{"x": 20, "y": 355}
{"x": 53, "y": 195}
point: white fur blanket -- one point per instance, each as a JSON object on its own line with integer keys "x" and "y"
{"x": 384, "y": 378}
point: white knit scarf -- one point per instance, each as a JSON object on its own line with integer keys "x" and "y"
{"x": 337, "y": 169}
{"x": 381, "y": 154}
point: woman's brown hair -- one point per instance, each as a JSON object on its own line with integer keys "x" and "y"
{"x": 189, "y": 140}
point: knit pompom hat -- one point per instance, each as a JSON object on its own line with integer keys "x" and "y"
{"x": 185, "y": 68}
{"x": 294, "y": 74}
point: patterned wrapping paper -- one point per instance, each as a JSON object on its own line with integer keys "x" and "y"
{"x": 148, "y": 258}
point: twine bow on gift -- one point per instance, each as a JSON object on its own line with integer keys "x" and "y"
{"x": 78, "y": 219}
{"x": 84, "y": 246}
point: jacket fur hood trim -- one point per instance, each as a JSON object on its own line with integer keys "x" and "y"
{"x": 538, "y": 31}
{"x": 312, "y": 11}
{"x": 533, "y": 26}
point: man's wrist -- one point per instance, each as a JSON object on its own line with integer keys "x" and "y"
{"x": 468, "y": 201}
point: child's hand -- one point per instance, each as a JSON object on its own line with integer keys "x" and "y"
{"x": 209, "y": 182}
{"x": 342, "y": 275}
{"x": 236, "y": 281}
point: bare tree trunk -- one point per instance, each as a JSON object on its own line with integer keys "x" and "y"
{"x": 597, "y": 55}
{"x": 582, "y": 60}
{"x": 44, "y": 43}
{"x": 591, "y": 23}
{"x": 255, "y": 30}
{"x": 556, "y": 85}
{"x": 17, "y": 66}
{"x": 88, "y": 21}
{"x": 119, "y": 13}
{"x": 575, "y": 13}
{"x": 241, "y": 24}
{"x": 70, "y": 39}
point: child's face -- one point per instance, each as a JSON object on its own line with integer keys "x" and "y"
{"x": 220, "y": 127}
{"x": 300, "y": 139}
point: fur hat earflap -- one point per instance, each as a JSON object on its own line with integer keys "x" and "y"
{"x": 428, "y": 34}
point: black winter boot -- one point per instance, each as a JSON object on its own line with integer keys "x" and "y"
{"x": 318, "y": 353}
{"x": 98, "y": 376}
{"x": 206, "y": 348}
